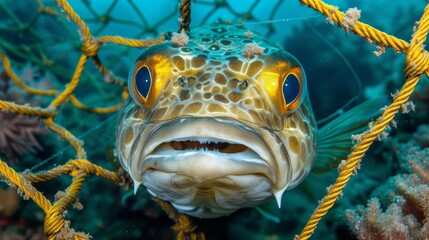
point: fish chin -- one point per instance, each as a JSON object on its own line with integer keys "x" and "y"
{"x": 207, "y": 185}
{"x": 207, "y": 167}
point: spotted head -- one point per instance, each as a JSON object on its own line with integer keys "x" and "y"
{"x": 221, "y": 123}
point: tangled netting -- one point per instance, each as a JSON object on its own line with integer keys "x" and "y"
{"x": 89, "y": 46}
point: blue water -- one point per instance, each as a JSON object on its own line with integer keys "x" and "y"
{"x": 341, "y": 71}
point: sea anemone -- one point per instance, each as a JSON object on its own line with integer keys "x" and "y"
{"x": 18, "y": 135}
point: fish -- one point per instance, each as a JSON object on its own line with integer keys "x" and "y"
{"x": 222, "y": 121}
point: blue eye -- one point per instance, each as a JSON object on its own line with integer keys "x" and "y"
{"x": 143, "y": 81}
{"x": 290, "y": 88}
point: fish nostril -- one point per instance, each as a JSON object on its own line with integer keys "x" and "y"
{"x": 239, "y": 85}
{"x": 183, "y": 82}
{"x": 242, "y": 85}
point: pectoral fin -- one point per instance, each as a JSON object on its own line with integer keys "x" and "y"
{"x": 334, "y": 139}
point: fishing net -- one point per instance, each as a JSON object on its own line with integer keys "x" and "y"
{"x": 66, "y": 71}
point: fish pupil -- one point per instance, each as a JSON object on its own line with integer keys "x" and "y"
{"x": 290, "y": 88}
{"x": 222, "y": 147}
{"x": 143, "y": 81}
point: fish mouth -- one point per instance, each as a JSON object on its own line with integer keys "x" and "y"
{"x": 204, "y": 149}
{"x": 208, "y": 145}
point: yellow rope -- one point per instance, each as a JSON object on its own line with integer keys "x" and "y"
{"x": 71, "y": 167}
{"x": 65, "y": 134}
{"x": 185, "y": 15}
{"x": 130, "y": 42}
{"x": 54, "y": 220}
{"x": 84, "y": 30}
{"x": 60, "y": 99}
{"x": 361, "y": 29}
{"x": 45, "y": 113}
{"x": 184, "y": 228}
{"x": 26, "y": 110}
{"x": 416, "y": 64}
{"x": 109, "y": 109}
{"x": 24, "y": 186}
{"x": 15, "y": 79}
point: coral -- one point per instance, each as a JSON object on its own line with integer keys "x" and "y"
{"x": 421, "y": 136}
{"x": 18, "y": 135}
{"x": 406, "y": 196}
{"x": 29, "y": 75}
{"x": 370, "y": 223}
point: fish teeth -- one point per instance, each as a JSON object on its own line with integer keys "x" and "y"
{"x": 136, "y": 186}
{"x": 278, "y": 195}
{"x": 207, "y": 140}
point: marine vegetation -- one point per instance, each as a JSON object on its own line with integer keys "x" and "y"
{"x": 19, "y": 134}
{"x": 404, "y": 196}
{"x": 215, "y": 120}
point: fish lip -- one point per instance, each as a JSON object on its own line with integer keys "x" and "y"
{"x": 204, "y": 129}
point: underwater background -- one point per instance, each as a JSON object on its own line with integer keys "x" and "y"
{"x": 387, "y": 197}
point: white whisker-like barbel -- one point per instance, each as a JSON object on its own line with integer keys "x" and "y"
{"x": 212, "y": 128}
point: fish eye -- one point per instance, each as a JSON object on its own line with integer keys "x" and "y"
{"x": 290, "y": 89}
{"x": 148, "y": 77}
{"x": 143, "y": 81}
{"x": 140, "y": 84}
{"x": 285, "y": 87}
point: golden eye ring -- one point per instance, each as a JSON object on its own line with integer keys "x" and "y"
{"x": 290, "y": 91}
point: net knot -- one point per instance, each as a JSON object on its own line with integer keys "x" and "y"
{"x": 54, "y": 220}
{"x": 416, "y": 62}
{"x": 417, "y": 58}
{"x": 90, "y": 48}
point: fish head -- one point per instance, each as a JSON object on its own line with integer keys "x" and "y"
{"x": 219, "y": 124}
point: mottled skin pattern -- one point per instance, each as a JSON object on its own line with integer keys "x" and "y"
{"x": 209, "y": 78}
